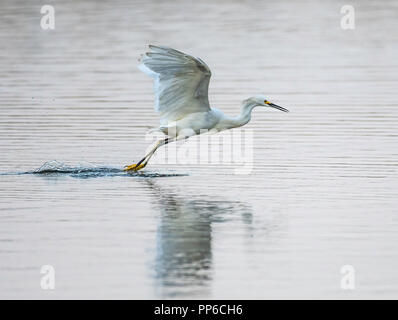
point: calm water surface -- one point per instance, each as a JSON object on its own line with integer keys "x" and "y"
{"x": 322, "y": 192}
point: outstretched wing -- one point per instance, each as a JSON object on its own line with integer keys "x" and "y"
{"x": 181, "y": 82}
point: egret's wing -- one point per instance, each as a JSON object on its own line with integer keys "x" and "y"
{"x": 181, "y": 82}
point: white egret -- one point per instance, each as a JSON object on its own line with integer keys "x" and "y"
{"x": 181, "y": 98}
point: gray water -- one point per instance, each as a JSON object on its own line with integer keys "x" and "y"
{"x": 321, "y": 195}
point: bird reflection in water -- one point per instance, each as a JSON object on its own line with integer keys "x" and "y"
{"x": 183, "y": 260}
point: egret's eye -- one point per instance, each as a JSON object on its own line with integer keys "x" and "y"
{"x": 266, "y": 102}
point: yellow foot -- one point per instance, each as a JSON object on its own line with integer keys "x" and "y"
{"x": 134, "y": 167}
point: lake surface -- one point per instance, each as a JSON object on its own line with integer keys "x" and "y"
{"x": 322, "y": 192}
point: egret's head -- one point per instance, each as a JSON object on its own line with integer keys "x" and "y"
{"x": 260, "y": 100}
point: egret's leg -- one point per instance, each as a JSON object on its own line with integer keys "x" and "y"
{"x": 143, "y": 162}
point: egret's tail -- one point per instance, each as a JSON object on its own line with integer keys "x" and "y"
{"x": 154, "y": 130}
{"x": 170, "y": 130}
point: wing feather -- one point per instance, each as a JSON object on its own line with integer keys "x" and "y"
{"x": 181, "y": 82}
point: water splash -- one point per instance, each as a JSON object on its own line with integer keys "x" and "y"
{"x": 84, "y": 170}
{"x": 80, "y": 170}
{"x": 55, "y": 166}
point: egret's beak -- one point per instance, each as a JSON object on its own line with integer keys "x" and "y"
{"x": 273, "y": 105}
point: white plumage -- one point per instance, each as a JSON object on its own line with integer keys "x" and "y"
{"x": 181, "y": 98}
{"x": 181, "y": 82}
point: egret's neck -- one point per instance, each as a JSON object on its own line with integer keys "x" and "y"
{"x": 245, "y": 114}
